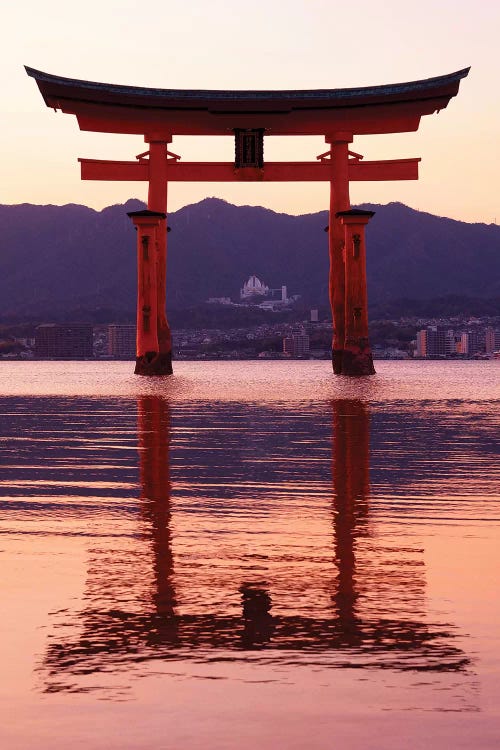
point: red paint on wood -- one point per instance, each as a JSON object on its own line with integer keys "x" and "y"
{"x": 393, "y": 169}
{"x": 339, "y": 201}
{"x": 147, "y": 336}
{"x": 149, "y": 359}
{"x": 157, "y": 201}
{"x": 357, "y": 357}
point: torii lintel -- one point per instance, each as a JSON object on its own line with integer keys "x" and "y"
{"x": 131, "y": 171}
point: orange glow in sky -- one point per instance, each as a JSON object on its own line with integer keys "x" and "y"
{"x": 221, "y": 44}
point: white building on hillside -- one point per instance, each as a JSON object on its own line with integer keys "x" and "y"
{"x": 254, "y": 288}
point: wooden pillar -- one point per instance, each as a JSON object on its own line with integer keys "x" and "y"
{"x": 148, "y": 361}
{"x": 339, "y": 201}
{"x": 157, "y": 201}
{"x": 357, "y": 356}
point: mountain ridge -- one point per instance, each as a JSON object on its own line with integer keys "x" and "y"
{"x": 55, "y": 256}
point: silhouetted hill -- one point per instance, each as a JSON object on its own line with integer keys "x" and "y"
{"x": 60, "y": 259}
{"x": 417, "y": 255}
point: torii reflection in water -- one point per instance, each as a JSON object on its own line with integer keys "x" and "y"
{"x": 106, "y": 635}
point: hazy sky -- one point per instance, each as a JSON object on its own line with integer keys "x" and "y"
{"x": 257, "y": 44}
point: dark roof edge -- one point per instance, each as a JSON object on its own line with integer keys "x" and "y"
{"x": 146, "y": 212}
{"x": 112, "y": 88}
{"x": 355, "y": 212}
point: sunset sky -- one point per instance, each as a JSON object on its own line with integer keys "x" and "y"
{"x": 262, "y": 44}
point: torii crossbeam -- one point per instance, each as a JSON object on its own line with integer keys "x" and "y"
{"x": 336, "y": 114}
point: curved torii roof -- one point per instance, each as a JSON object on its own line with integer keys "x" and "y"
{"x": 114, "y": 108}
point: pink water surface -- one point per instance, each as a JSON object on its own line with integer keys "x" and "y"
{"x": 249, "y": 555}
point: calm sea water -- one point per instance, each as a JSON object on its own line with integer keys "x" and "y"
{"x": 249, "y": 555}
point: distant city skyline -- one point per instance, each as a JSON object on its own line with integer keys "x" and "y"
{"x": 222, "y": 46}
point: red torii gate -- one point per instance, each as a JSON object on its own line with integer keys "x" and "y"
{"x": 337, "y": 114}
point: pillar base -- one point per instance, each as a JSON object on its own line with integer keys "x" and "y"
{"x": 337, "y": 355}
{"x": 357, "y": 359}
{"x": 154, "y": 364}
